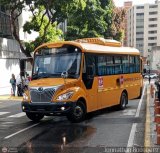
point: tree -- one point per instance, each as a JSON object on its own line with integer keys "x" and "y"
{"x": 118, "y": 23}
{"x": 89, "y": 22}
{"x": 48, "y": 31}
{"x": 46, "y": 13}
{"x": 100, "y": 18}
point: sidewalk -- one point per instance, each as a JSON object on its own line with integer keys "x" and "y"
{"x": 150, "y": 125}
{"x": 9, "y": 97}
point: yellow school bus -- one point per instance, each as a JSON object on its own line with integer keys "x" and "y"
{"x": 73, "y": 78}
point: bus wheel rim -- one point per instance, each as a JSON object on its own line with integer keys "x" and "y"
{"x": 78, "y": 111}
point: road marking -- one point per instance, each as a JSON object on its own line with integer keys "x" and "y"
{"x": 134, "y": 125}
{"x": 18, "y": 115}
{"x": 7, "y": 123}
{"x": 2, "y": 113}
{"x": 130, "y": 112}
{"x": 25, "y": 129}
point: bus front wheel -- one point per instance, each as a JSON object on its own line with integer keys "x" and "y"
{"x": 123, "y": 101}
{"x": 78, "y": 113}
{"x": 36, "y": 117}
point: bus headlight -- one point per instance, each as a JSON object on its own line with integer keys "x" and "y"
{"x": 65, "y": 96}
{"x": 25, "y": 97}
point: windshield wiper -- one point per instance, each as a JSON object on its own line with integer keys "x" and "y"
{"x": 43, "y": 75}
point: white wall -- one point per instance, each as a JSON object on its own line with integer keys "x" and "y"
{"x": 9, "y": 63}
{"x": 155, "y": 58}
{"x": 7, "y": 67}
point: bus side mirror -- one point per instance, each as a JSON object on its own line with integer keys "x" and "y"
{"x": 64, "y": 75}
{"x": 90, "y": 72}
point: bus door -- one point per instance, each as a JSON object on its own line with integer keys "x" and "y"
{"x": 90, "y": 81}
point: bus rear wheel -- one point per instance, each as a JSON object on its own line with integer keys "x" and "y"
{"x": 36, "y": 117}
{"x": 78, "y": 113}
{"x": 123, "y": 101}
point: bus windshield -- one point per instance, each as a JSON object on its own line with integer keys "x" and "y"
{"x": 53, "y": 65}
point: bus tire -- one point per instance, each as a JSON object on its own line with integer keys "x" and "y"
{"x": 36, "y": 117}
{"x": 123, "y": 101}
{"x": 78, "y": 113}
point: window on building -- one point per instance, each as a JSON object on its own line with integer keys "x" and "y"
{"x": 140, "y": 26}
{"x": 153, "y": 13}
{"x": 140, "y": 7}
{"x": 153, "y": 6}
{"x": 140, "y": 20}
{"x": 139, "y": 33}
{"x": 5, "y": 25}
{"x": 152, "y": 38}
{"x": 152, "y": 19}
{"x": 140, "y": 14}
{"x": 152, "y": 44}
{"x": 139, "y": 45}
{"x": 152, "y": 25}
{"x": 152, "y": 32}
{"x": 139, "y": 39}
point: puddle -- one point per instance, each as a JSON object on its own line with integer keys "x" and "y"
{"x": 58, "y": 137}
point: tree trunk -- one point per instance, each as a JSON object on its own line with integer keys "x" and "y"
{"x": 16, "y": 36}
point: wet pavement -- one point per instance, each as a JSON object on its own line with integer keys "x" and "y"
{"x": 101, "y": 131}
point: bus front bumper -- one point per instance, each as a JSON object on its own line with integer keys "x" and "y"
{"x": 53, "y": 108}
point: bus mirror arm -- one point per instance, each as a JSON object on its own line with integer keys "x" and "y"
{"x": 64, "y": 75}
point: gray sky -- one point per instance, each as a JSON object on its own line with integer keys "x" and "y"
{"x": 135, "y": 2}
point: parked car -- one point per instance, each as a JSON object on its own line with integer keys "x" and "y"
{"x": 152, "y": 76}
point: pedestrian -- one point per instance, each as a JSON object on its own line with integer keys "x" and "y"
{"x": 19, "y": 85}
{"x": 149, "y": 79}
{"x": 157, "y": 83}
{"x": 13, "y": 84}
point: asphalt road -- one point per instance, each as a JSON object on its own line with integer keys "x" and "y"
{"x": 100, "y": 132}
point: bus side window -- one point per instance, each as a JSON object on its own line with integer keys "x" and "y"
{"x": 125, "y": 63}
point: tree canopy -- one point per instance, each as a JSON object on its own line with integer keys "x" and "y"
{"x": 46, "y": 15}
{"x": 100, "y": 18}
{"x": 86, "y": 18}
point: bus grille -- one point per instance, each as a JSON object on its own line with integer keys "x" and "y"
{"x": 42, "y": 95}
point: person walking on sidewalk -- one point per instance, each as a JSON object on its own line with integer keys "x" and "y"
{"x": 13, "y": 84}
{"x": 149, "y": 79}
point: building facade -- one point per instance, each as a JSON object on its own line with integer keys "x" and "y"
{"x": 9, "y": 53}
{"x": 127, "y": 6}
{"x": 155, "y": 58}
{"x": 143, "y": 27}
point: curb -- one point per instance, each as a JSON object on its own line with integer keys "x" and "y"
{"x": 147, "y": 140}
{"x": 5, "y": 98}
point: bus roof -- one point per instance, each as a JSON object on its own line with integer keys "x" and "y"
{"x": 110, "y": 46}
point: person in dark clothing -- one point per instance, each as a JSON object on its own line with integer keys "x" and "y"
{"x": 13, "y": 84}
{"x": 149, "y": 79}
{"x": 157, "y": 83}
